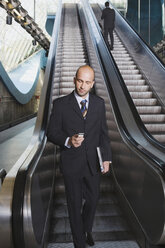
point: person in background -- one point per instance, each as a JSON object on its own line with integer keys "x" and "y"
{"x": 78, "y": 125}
{"x": 108, "y": 15}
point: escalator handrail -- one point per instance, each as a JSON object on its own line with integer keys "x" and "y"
{"x": 141, "y": 125}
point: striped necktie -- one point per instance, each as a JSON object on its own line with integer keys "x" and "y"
{"x": 83, "y": 107}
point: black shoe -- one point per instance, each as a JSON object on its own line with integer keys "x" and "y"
{"x": 89, "y": 239}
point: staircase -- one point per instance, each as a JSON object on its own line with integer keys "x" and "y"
{"x": 110, "y": 226}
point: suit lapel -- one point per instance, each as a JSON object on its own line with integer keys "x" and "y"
{"x": 74, "y": 104}
{"x": 91, "y": 106}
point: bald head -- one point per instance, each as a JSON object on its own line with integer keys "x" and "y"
{"x": 86, "y": 68}
{"x": 84, "y": 80}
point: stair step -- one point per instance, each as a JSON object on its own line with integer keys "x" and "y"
{"x": 145, "y": 102}
{"x": 131, "y": 76}
{"x": 153, "y": 118}
{"x": 160, "y": 138}
{"x": 104, "y": 228}
{"x": 100, "y": 244}
{"x": 141, "y": 95}
{"x": 129, "y": 71}
{"x": 61, "y": 211}
{"x": 155, "y": 127}
{"x": 138, "y": 88}
{"x": 149, "y": 109}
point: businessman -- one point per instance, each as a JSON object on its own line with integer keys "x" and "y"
{"x": 108, "y": 15}
{"x": 78, "y": 125}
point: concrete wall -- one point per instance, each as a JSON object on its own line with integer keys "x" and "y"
{"x": 11, "y": 111}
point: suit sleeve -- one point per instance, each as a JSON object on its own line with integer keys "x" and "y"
{"x": 105, "y": 140}
{"x": 55, "y": 133}
{"x": 102, "y": 16}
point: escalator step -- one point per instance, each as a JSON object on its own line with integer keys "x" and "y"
{"x": 153, "y": 118}
{"x": 149, "y": 109}
{"x": 145, "y": 102}
{"x": 138, "y": 88}
{"x": 141, "y": 95}
{"x": 109, "y": 244}
{"x": 156, "y": 127}
{"x": 104, "y": 228}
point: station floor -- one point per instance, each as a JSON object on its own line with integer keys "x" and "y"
{"x": 13, "y": 142}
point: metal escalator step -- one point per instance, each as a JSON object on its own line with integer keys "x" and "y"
{"x": 65, "y": 85}
{"x": 102, "y": 210}
{"x": 66, "y": 79}
{"x": 127, "y": 67}
{"x": 74, "y": 56}
{"x": 125, "y": 62}
{"x": 66, "y": 91}
{"x": 133, "y": 82}
{"x": 141, "y": 95}
{"x": 105, "y": 198}
{"x": 145, "y": 102}
{"x": 129, "y": 71}
{"x": 118, "y": 52}
{"x": 149, "y": 110}
{"x": 66, "y": 69}
{"x": 123, "y": 59}
{"x": 160, "y": 137}
{"x": 156, "y": 128}
{"x": 121, "y": 55}
{"x": 127, "y": 76}
{"x": 104, "y": 228}
{"x": 153, "y": 118}
{"x": 70, "y": 64}
{"x": 70, "y": 60}
{"x": 100, "y": 244}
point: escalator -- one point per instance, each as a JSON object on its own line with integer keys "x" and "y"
{"x": 32, "y": 197}
{"x": 110, "y": 224}
{"x": 148, "y": 104}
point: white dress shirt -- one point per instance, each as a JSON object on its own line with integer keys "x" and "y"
{"x": 79, "y": 99}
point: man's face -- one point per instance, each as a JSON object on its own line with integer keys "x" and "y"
{"x": 84, "y": 81}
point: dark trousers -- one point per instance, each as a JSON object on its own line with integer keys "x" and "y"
{"x": 110, "y": 32}
{"x": 78, "y": 188}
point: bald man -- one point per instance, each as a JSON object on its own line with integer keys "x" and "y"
{"x": 78, "y": 126}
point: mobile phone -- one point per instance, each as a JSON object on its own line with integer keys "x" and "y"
{"x": 80, "y": 134}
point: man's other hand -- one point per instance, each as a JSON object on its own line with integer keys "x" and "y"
{"x": 75, "y": 140}
{"x": 106, "y": 166}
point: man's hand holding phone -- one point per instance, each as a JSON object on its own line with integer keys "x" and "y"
{"x": 76, "y": 140}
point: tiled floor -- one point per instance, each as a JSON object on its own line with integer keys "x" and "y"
{"x": 109, "y": 244}
{"x": 13, "y": 142}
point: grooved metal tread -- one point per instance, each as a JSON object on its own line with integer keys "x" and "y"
{"x": 109, "y": 244}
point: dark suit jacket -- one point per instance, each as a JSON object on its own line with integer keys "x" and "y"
{"x": 108, "y": 15}
{"x": 66, "y": 120}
